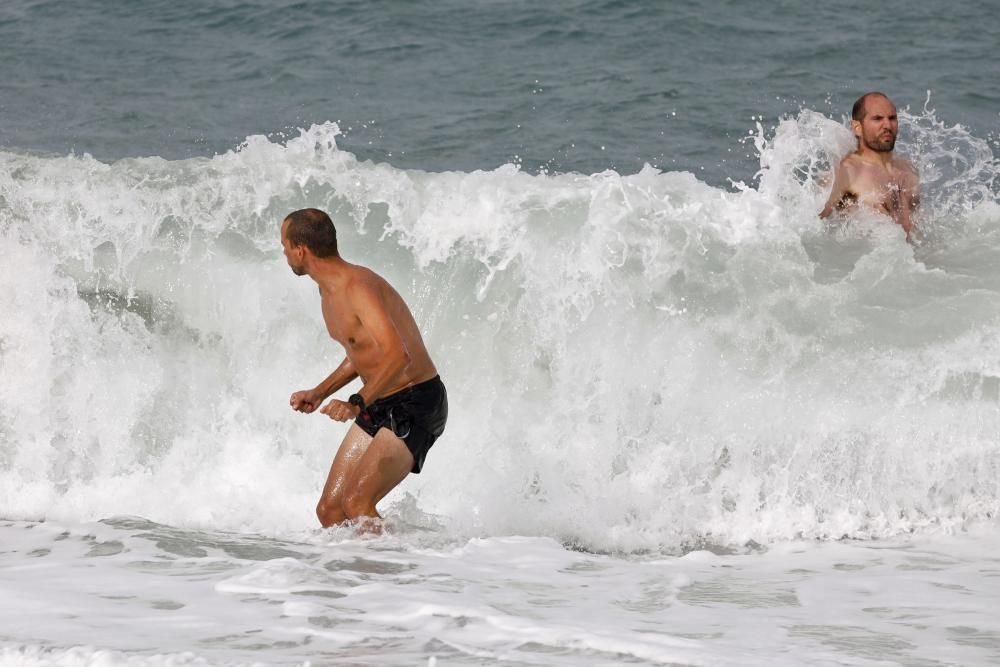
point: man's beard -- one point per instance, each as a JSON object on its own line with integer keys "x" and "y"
{"x": 880, "y": 145}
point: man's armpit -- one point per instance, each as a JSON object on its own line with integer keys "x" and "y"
{"x": 847, "y": 200}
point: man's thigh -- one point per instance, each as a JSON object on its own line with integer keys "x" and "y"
{"x": 385, "y": 463}
{"x": 352, "y": 448}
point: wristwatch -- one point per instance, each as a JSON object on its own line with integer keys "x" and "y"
{"x": 356, "y": 399}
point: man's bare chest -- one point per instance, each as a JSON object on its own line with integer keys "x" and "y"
{"x": 879, "y": 190}
{"x": 342, "y": 323}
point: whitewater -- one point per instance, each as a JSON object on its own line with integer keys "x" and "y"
{"x": 689, "y": 424}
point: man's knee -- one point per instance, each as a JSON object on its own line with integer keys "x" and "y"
{"x": 356, "y": 504}
{"x": 329, "y": 512}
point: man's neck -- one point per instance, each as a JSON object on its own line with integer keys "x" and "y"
{"x": 882, "y": 158}
{"x": 328, "y": 272}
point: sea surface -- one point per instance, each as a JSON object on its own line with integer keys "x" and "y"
{"x": 691, "y": 423}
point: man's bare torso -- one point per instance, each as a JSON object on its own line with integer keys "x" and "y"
{"x": 890, "y": 188}
{"x": 882, "y": 189}
{"x": 346, "y": 325}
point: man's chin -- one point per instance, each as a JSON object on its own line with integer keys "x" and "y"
{"x": 883, "y": 146}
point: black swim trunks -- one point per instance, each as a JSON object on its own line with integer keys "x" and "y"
{"x": 416, "y": 415}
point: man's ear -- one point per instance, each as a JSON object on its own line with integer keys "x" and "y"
{"x": 856, "y": 126}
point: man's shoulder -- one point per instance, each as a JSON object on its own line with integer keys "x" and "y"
{"x": 906, "y": 164}
{"x": 850, "y": 169}
{"x": 365, "y": 282}
{"x": 362, "y": 275}
{"x": 852, "y": 162}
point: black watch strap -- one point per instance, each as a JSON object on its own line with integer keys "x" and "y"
{"x": 356, "y": 399}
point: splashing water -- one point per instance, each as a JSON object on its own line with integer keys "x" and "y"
{"x": 635, "y": 362}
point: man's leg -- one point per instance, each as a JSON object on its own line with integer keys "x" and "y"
{"x": 330, "y": 509}
{"x": 385, "y": 464}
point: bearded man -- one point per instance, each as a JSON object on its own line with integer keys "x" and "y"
{"x": 873, "y": 176}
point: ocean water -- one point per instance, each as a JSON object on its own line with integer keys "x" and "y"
{"x": 691, "y": 424}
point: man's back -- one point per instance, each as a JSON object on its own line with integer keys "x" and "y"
{"x": 360, "y": 307}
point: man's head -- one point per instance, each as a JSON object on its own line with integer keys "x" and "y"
{"x": 874, "y": 121}
{"x": 305, "y": 232}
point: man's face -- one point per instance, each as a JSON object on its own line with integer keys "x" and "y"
{"x": 878, "y": 129}
{"x": 293, "y": 254}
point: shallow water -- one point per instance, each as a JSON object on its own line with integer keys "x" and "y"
{"x": 131, "y": 591}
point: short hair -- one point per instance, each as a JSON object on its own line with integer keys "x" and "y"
{"x": 314, "y": 229}
{"x": 858, "y": 110}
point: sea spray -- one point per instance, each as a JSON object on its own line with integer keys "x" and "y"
{"x": 634, "y": 362}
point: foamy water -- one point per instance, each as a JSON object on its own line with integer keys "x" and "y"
{"x": 130, "y": 592}
{"x": 639, "y": 365}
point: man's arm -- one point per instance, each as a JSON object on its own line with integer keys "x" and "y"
{"x": 841, "y": 181}
{"x": 309, "y": 400}
{"x": 338, "y": 379}
{"x": 912, "y": 187}
{"x": 911, "y": 200}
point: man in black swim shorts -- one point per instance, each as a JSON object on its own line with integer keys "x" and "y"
{"x": 416, "y": 415}
{"x": 402, "y": 406}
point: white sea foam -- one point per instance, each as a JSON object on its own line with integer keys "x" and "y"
{"x": 129, "y": 592}
{"x": 88, "y": 656}
{"x": 635, "y": 362}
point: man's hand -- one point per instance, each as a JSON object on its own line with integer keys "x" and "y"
{"x": 340, "y": 411}
{"x": 306, "y": 400}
